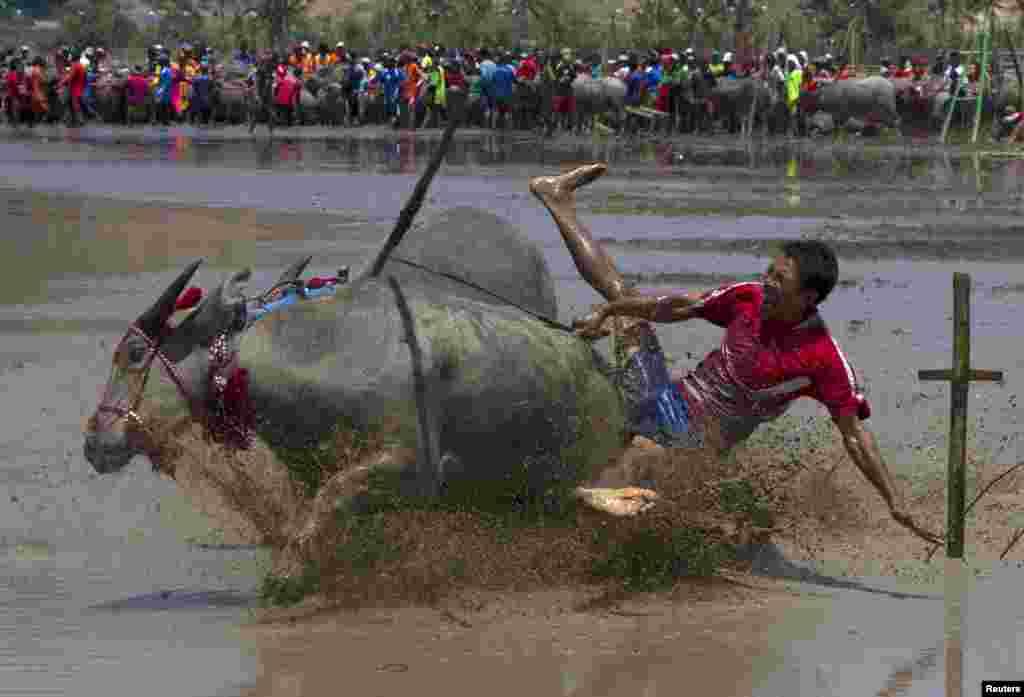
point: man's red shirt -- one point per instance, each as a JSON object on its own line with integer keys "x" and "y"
{"x": 763, "y": 365}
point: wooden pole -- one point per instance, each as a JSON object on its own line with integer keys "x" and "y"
{"x": 984, "y": 45}
{"x": 958, "y": 415}
{"x": 960, "y": 376}
{"x": 954, "y": 595}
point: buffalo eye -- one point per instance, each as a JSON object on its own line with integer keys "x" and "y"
{"x": 136, "y": 354}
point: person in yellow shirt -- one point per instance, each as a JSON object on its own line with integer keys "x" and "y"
{"x": 794, "y": 78}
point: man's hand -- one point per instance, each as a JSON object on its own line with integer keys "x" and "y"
{"x": 593, "y": 325}
{"x": 901, "y": 516}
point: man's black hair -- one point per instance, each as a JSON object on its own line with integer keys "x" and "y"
{"x": 816, "y": 265}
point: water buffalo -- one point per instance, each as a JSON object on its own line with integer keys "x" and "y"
{"x": 463, "y": 387}
{"x": 868, "y": 99}
{"x": 602, "y": 97}
{"x": 734, "y": 98}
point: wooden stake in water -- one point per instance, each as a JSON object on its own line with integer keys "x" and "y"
{"x": 961, "y": 375}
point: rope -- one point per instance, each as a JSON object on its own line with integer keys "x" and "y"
{"x": 458, "y": 279}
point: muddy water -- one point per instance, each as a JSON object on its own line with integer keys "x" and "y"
{"x": 102, "y": 578}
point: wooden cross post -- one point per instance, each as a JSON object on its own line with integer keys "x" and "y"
{"x": 961, "y": 375}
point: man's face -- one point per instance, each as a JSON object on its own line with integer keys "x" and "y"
{"x": 783, "y": 297}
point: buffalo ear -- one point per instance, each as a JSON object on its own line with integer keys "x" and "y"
{"x": 152, "y": 321}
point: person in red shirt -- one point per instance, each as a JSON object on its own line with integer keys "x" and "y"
{"x": 14, "y": 89}
{"x": 136, "y": 95}
{"x": 776, "y": 348}
{"x": 528, "y": 69}
{"x": 286, "y": 96}
{"x": 75, "y": 83}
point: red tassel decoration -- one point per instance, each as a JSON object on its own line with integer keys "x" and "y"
{"x": 237, "y": 408}
{"x": 317, "y": 282}
{"x": 189, "y": 299}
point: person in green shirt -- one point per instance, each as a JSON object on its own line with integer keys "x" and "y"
{"x": 437, "y": 103}
{"x": 794, "y": 78}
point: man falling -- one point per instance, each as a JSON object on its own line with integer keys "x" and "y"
{"x": 776, "y": 348}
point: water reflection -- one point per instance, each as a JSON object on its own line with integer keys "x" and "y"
{"x": 405, "y": 152}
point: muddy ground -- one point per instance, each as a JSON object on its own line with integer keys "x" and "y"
{"x": 93, "y": 226}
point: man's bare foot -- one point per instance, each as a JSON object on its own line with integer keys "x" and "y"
{"x": 559, "y": 189}
{"x": 628, "y": 501}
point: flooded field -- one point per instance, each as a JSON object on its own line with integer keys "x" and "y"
{"x": 113, "y": 582}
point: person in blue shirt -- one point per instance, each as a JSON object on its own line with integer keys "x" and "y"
{"x": 503, "y": 83}
{"x": 653, "y": 74}
{"x": 163, "y": 91}
{"x": 391, "y": 85}
{"x": 636, "y": 82}
{"x": 202, "y": 96}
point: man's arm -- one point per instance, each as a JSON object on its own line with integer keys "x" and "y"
{"x": 654, "y": 308}
{"x": 863, "y": 450}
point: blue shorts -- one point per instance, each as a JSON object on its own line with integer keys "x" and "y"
{"x": 654, "y": 407}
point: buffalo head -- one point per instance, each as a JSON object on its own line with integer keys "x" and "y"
{"x": 162, "y": 373}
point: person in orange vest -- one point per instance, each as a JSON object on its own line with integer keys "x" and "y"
{"x": 410, "y": 90}
{"x": 324, "y": 58}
